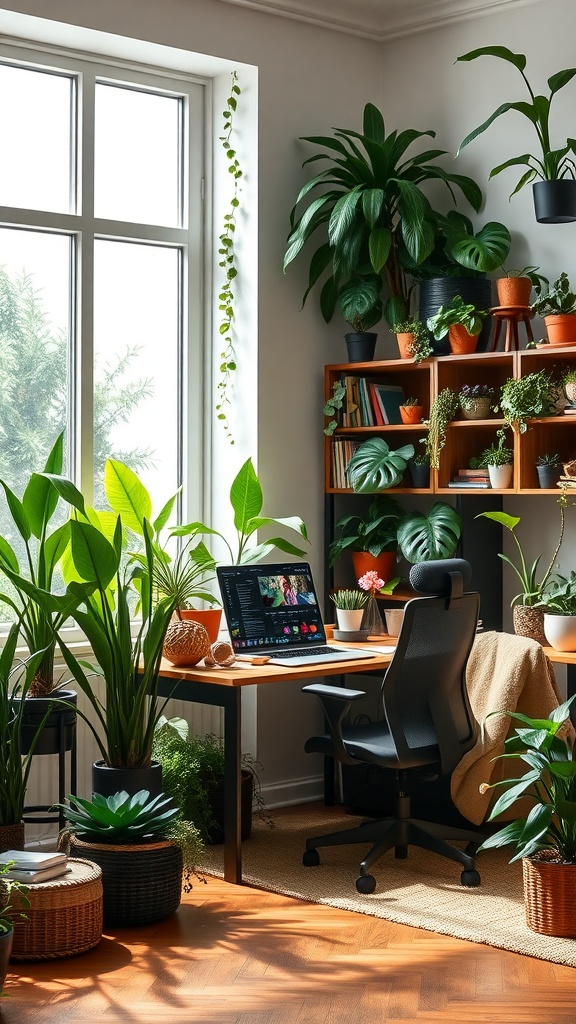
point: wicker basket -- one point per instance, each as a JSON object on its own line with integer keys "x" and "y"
{"x": 142, "y": 882}
{"x": 550, "y": 894}
{"x": 65, "y": 915}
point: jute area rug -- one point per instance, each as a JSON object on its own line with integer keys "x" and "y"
{"x": 423, "y": 891}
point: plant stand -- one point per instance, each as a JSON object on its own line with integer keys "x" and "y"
{"x": 511, "y": 316}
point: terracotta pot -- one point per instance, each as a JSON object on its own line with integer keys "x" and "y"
{"x": 210, "y": 618}
{"x": 561, "y": 329}
{"x": 461, "y": 342}
{"x": 513, "y": 291}
{"x": 411, "y": 413}
{"x": 404, "y": 341}
{"x": 549, "y": 894}
{"x": 529, "y": 621}
{"x": 383, "y": 564}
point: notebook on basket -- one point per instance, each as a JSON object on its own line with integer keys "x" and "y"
{"x": 272, "y": 610}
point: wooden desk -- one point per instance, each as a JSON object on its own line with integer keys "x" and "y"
{"x": 221, "y": 687}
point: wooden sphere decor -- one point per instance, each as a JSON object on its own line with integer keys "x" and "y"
{"x": 185, "y": 643}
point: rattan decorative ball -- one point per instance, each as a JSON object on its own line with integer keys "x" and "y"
{"x": 185, "y": 643}
{"x": 220, "y": 653}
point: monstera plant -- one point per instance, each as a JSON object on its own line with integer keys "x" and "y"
{"x": 375, "y": 468}
{"x": 423, "y": 537}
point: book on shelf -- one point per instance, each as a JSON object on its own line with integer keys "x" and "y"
{"x": 375, "y": 404}
{"x": 32, "y": 860}
{"x": 570, "y": 410}
{"x": 390, "y": 398}
{"x": 473, "y": 473}
{"x": 41, "y": 875}
{"x": 472, "y": 484}
{"x": 365, "y": 403}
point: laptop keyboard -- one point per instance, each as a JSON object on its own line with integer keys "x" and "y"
{"x": 313, "y": 651}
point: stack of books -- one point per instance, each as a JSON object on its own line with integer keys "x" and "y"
{"x": 31, "y": 866}
{"x": 567, "y": 482}
{"x": 472, "y": 478}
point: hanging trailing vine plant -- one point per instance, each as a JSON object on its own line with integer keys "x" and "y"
{"x": 227, "y": 261}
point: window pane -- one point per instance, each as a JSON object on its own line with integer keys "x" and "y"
{"x": 35, "y": 120}
{"x": 136, "y": 345}
{"x": 137, "y": 156}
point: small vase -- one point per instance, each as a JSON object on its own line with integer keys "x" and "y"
{"x": 500, "y": 477}
{"x": 475, "y": 408}
{"x": 372, "y": 620}
{"x": 349, "y": 619}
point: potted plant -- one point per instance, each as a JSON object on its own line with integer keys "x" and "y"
{"x": 371, "y": 538}
{"x": 374, "y": 467}
{"x": 411, "y": 410}
{"x": 443, "y": 409}
{"x": 559, "y": 604}
{"x": 142, "y": 845}
{"x": 569, "y": 385}
{"x": 361, "y": 307}
{"x": 558, "y": 307}
{"x": 193, "y": 775}
{"x": 528, "y": 616}
{"x": 369, "y": 206}
{"x": 544, "y": 837}
{"x": 498, "y": 457}
{"x": 514, "y": 288}
{"x": 419, "y": 467}
{"x": 476, "y": 401}
{"x": 552, "y": 171}
{"x": 426, "y": 536}
{"x": 8, "y": 888}
{"x": 461, "y": 321}
{"x": 527, "y": 397}
{"x": 350, "y": 605}
{"x": 413, "y": 340}
{"x": 549, "y": 468}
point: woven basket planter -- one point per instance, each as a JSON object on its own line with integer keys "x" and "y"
{"x": 142, "y": 883}
{"x": 550, "y": 894}
{"x": 64, "y": 917}
{"x": 529, "y": 621}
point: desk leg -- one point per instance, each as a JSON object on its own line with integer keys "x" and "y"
{"x": 232, "y": 790}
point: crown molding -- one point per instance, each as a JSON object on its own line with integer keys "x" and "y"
{"x": 379, "y": 20}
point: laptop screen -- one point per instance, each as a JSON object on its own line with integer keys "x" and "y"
{"x": 270, "y": 607}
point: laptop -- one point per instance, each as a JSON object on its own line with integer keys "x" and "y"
{"x": 272, "y": 610}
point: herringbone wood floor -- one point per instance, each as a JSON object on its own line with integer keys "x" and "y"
{"x": 234, "y": 955}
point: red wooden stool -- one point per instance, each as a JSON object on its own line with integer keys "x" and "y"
{"x": 511, "y": 316}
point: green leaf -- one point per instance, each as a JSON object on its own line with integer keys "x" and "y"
{"x": 379, "y": 245}
{"x": 246, "y": 496}
{"x": 127, "y": 495}
{"x": 373, "y": 124}
{"x": 374, "y": 467}
{"x": 484, "y": 251}
{"x": 94, "y": 558}
{"x": 372, "y": 201}
{"x": 510, "y": 522}
{"x": 517, "y": 59}
{"x": 343, "y": 215}
{"x": 502, "y": 109}
{"x": 560, "y": 79}
{"x": 422, "y": 537}
{"x": 17, "y": 512}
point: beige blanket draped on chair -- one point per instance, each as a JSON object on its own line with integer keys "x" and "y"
{"x": 505, "y": 673}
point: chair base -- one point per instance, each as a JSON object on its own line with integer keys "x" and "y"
{"x": 399, "y": 833}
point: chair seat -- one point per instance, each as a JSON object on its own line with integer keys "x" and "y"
{"x": 372, "y": 744}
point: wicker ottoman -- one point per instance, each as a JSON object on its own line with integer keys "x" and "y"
{"x": 65, "y": 915}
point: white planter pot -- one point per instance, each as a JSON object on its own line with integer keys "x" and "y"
{"x": 560, "y": 631}
{"x": 500, "y": 476}
{"x": 349, "y": 620}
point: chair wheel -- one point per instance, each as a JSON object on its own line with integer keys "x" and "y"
{"x": 310, "y": 858}
{"x": 470, "y": 879}
{"x": 366, "y": 884}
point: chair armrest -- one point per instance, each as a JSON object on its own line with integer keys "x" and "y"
{"x": 335, "y": 702}
{"x": 323, "y": 690}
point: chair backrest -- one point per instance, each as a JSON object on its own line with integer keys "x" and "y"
{"x": 424, "y": 690}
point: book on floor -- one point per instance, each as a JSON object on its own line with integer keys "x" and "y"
{"x": 32, "y": 860}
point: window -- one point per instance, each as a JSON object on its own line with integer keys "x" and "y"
{"x": 100, "y": 272}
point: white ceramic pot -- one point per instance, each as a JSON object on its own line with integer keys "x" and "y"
{"x": 560, "y": 631}
{"x": 349, "y": 619}
{"x": 500, "y": 476}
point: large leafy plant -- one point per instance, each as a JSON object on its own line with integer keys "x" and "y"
{"x": 40, "y": 617}
{"x": 550, "y": 783}
{"x": 374, "y": 467}
{"x": 371, "y": 213}
{"x": 532, "y": 587}
{"x": 456, "y": 312}
{"x": 374, "y": 532}
{"x": 459, "y": 250}
{"x": 550, "y": 163}
{"x": 423, "y": 536}
{"x": 526, "y": 397}
{"x": 247, "y": 500}
{"x": 558, "y": 300}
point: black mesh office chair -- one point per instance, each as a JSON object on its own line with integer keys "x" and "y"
{"x": 427, "y": 723}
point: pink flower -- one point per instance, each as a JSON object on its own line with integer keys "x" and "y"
{"x": 371, "y": 581}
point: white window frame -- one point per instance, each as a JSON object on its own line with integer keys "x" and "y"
{"x": 83, "y": 228}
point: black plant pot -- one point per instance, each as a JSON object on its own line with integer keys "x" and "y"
{"x": 215, "y": 794}
{"x": 108, "y": 781}
{"x": 548, "y": 476}
{"x": 59, "y": 726}
{"x": 555, "y": 201}
{"x": 361, "y": 346}
{"x": 420, "y": 474}
{"x": 439, "y": 291}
